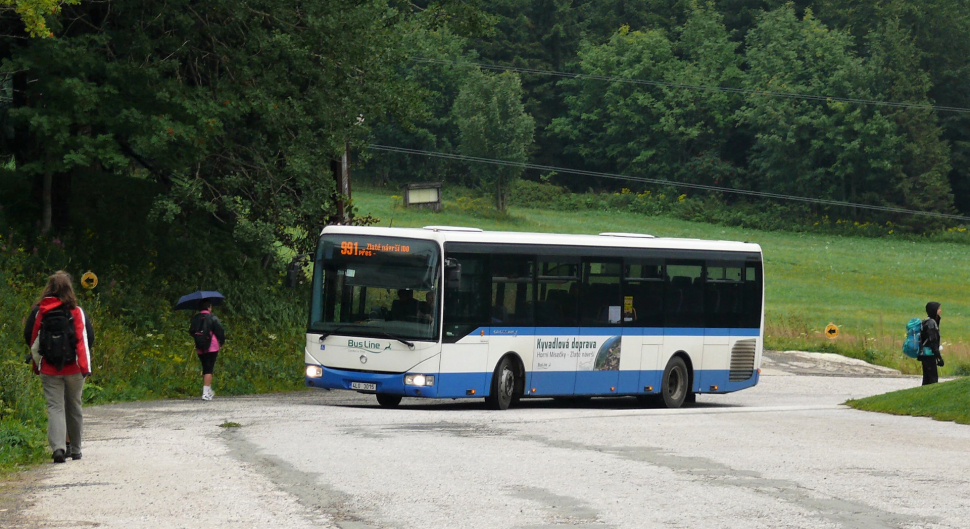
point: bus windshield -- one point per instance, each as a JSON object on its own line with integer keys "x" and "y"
{"x": 376, "y": 286}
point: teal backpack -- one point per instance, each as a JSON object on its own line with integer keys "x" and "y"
{"x": 911, "y": 345}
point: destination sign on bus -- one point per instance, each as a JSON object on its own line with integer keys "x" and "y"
{"x": 356, "y": 249}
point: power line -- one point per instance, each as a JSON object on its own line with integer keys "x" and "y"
{"x": 742, "y": 91}
{"x": 659, "y": 181}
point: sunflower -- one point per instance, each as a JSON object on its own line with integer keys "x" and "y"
{"x": 89, "y": 280}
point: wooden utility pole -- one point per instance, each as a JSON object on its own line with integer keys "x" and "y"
{"x": 345, "y": 182}
{"x": 341, "y": 174}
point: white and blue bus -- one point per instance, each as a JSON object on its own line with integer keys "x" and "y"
{"x": 447, "y": 312}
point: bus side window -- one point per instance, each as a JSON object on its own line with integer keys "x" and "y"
{"x": 684, "y": 294}
{"x": 600, "y": 303}
{"x": 643, "y": 292}
{"x": 724, "y": 294}
{"x": 557, "y": 297}
{"x": 468, "y": 308}
{"x": 513, "y": 279}
{"x": 751, "y": 312}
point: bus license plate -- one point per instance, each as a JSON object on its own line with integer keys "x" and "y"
{"x": 364, "y": 386}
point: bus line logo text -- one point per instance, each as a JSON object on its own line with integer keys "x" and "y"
{"x": 367, "y": 345}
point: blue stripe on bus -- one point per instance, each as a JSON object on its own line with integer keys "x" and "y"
{"x": 614, "y": 331}
{"x": 597, "y": 382}
{"x": 546, "y": 383}
{"x": 457, "y": 385}
{"x": 721, "y": 379}
{"x": 635, "y": 381}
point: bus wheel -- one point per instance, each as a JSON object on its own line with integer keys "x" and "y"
{"x": 674, "y": 386}
{"x": 388, "y": 401}
{"x": 503, "y": 386}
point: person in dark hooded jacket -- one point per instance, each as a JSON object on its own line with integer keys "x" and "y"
{"x": 929, "y": 354}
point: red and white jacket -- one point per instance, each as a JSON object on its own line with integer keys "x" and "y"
{"x": 82, "y": 329}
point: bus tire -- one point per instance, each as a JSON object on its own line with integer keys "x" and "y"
{"x": 674, "y": 387}
{"x": 388, "y": 401}
{"x": 503, "y": 386}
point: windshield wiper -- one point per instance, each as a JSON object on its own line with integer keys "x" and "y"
{"x": 332, "y": 331}
{"x": 384, "y": 334}
{"x": 398, "y": 338}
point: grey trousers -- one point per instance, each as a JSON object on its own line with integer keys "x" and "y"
{"x": 63, "y": 394}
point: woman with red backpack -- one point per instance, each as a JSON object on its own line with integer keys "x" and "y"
{"x": 60, "y": 337}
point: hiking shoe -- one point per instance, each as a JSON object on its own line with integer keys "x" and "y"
{"x": 59, "y": 456}
{"x": 76, "y": 456}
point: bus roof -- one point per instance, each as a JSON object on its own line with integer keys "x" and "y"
{"x": 444, "y": 234}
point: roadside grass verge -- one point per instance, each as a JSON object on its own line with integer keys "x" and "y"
{"x": 946, "y": 401}
{"x": 869, "y": 287}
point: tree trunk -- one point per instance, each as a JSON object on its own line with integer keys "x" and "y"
{"x": 61, "y": 200}
{"x": 337, "y": 213}
{"x": 499, "y": 198}
{"x": 46, "y": 215}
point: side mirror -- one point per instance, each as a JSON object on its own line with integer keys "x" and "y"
{"x": 294, "y": 269}
{"x": 452, "y": 274}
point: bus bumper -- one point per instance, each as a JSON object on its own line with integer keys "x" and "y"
{"x": 719, "y": 381}
{"x": 389, "y": 383}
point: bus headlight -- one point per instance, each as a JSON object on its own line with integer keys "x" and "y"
{"x": 314, "y": 371}
{"x": 418, "y": 380}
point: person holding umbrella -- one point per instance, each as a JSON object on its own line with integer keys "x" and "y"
{"x": 207, "y": 332}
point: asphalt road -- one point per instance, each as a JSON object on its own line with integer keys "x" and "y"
{"x": 783, "y": 454}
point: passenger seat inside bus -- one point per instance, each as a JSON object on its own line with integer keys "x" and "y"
{"x": 549, "y": 313}
{"x": 679, "y": 286}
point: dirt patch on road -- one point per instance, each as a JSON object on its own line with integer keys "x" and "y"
{"x": 789, "y": 363}
{"x": 14, "y": 493}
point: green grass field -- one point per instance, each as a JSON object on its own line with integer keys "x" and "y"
{"x": 948, "y": 401}
{"x": 868, "y": 287}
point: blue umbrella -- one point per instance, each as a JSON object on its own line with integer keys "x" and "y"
{"x": 193, "y": 300}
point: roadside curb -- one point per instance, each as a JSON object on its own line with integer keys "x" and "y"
{"x": 793, "y": 363}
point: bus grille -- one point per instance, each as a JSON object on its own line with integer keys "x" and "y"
{"x": 742, "y": 360}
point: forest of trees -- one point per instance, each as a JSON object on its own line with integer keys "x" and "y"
{"x": 677, "y": 127}
{"x": 237, "y": 109}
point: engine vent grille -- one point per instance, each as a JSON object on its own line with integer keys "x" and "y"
{"x": 742, "y": 360}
